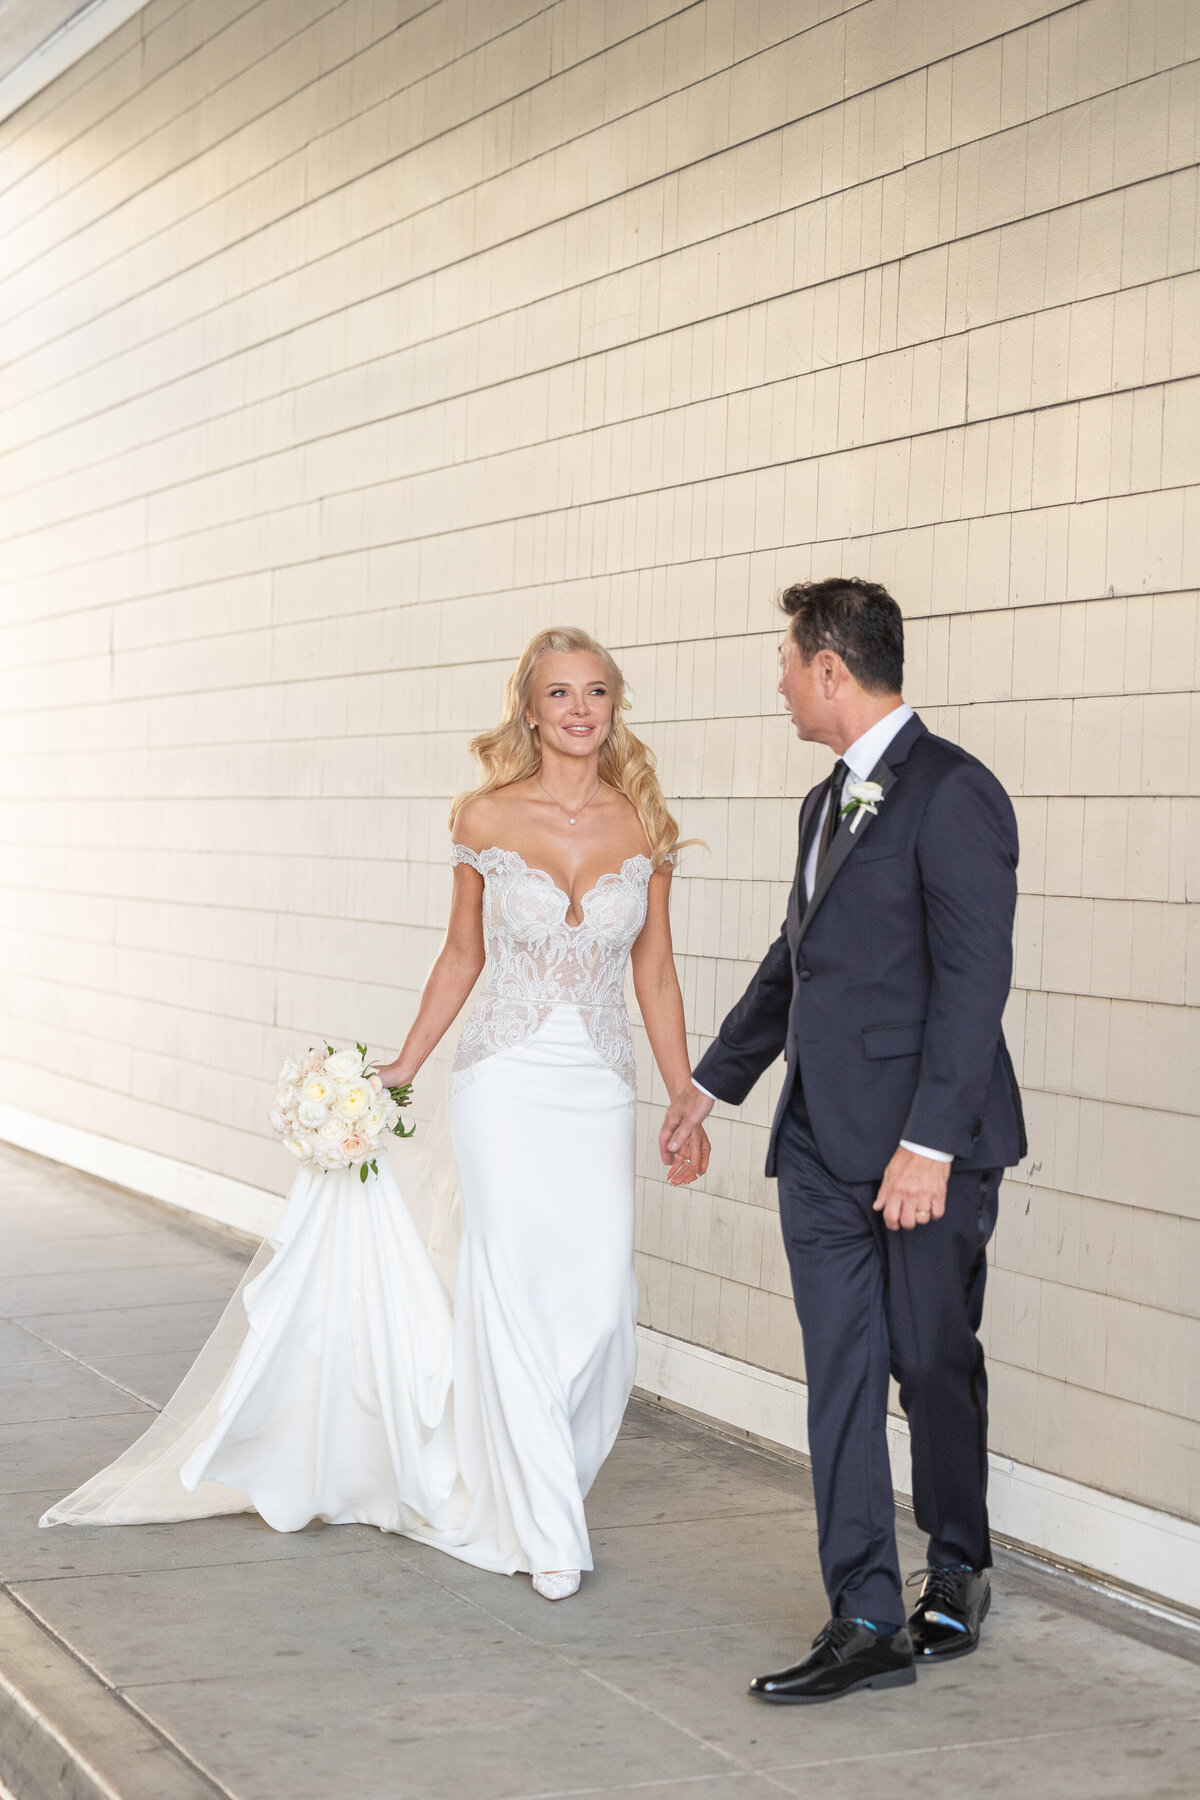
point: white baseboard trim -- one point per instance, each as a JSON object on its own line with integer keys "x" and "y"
{"x": 1132, "y": 1544}
{"x": 217, "y": 1197}
{"x": 80, "y": 33}
{"x": 1116, "y": 1538}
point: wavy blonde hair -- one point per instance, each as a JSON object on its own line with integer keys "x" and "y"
{"x": 510, "y": 751}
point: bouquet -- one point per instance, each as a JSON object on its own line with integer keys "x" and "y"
{"x": 332, "y": 1110}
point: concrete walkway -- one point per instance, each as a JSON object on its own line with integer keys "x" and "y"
{"x": 181, "y": 1661}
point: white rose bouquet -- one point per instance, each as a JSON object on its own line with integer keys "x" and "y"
{"x": 332, "y": 1110}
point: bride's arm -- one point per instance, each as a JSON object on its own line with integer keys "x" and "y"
{"x": 656, "y": 985}
{"x": 453, "y": 975}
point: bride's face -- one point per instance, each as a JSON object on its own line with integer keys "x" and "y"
{"x": 571, "y": 703}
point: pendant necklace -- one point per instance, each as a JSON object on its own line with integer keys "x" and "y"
{"x": 570, "y": 817}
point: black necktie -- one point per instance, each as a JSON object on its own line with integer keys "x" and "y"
{"x": 833, "y": 817}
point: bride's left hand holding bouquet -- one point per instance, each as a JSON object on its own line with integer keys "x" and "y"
{"x": 332, "y": 1110}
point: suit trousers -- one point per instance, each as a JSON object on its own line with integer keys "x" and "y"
{"x": 874, "y": 1303}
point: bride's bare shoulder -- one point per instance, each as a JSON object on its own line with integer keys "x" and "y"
{"x": 625, "y": 824}
{"x": 482, "y": 821}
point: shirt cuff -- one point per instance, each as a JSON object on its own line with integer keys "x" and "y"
{"x": 943, "y": 1156}
{"x": 701, "y": 1089}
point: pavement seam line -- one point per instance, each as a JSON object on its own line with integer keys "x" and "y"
{"x": 71, "y": 1357}
{"x": 729, "y": 1757}
{"x": 122, "y": 1699}
{"x": 733, "y": 1762}
{"x": 563, "y": 1656}
{"x": 736, "y": 1766}
{"x": 704, "y": 1518}
{"x": 992, "y": 1743}
{"x": 629, "y": 1787}
{"x": 176, "y": 1568}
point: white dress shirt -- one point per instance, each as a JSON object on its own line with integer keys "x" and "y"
{"x": 860, "y": 760}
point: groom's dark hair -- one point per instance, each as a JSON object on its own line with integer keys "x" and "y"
{"x": 857, "y": 619}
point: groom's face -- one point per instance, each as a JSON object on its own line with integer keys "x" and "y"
{"x": 803, "y": 694}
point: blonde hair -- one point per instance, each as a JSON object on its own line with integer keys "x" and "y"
{"x": 510, "y": 751}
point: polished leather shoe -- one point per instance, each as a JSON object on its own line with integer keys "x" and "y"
{"x": 946, "y": 1619}
{"x": 844, "y": 1656}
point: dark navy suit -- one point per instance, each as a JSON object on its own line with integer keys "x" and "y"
{"x": 885, "y": 993}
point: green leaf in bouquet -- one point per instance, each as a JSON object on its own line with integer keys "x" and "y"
{"x": 398, "y": 1129}
{"x": 362, "y": 1172}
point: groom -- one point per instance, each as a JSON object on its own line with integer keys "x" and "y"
{"x": 899, "y": 1113}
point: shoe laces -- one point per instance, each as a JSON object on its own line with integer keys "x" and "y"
{"x": 940, "y": 1586}
{"x": 836, "y": 1634}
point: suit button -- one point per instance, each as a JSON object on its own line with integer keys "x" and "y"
{"x": 976, "y": 1128}
{"x": 806, "y": 974}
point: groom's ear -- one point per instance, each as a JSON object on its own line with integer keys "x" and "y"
{"x": 830, "y": 672}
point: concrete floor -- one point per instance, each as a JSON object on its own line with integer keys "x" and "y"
{"x": 338, "y": 1661}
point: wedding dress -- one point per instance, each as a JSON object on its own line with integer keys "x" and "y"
{"x": 343, "y": 1384}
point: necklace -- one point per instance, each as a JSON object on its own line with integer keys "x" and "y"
{"x": 569, "y": 816}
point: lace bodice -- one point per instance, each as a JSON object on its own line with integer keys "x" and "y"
{"x": 536, "y": 960}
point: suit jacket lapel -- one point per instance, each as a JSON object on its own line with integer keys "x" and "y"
{"x": 841, "y": 848}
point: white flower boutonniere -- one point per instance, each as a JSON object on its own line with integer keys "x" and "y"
{"x": 859, "y": 798}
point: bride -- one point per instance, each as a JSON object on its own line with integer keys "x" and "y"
{"x": 340, "y": 1385}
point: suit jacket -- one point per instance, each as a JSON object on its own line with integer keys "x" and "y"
{"x": 885, "y": 991}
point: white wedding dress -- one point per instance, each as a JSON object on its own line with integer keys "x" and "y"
{"x": 343, "y": 1385}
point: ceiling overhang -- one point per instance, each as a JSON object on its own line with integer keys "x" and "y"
{"x": 39, "y": 39}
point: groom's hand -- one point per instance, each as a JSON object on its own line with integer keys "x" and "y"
{"x": 913, "y": 1190}
{"x": 686, "y": 1111}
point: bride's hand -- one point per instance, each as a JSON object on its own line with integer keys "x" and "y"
{"x": 691, "y": 1159}
{"x": 392, "y": 1074}
{"x": 685, "y": 1115}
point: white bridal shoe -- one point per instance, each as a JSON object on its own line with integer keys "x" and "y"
{"x": 557, "y": 1584}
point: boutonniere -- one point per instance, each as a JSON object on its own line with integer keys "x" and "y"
{"x": 859, "y": 798}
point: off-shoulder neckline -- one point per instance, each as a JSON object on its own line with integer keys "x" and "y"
{"x": 464, "y": 853}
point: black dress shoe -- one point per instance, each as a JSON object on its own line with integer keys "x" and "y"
{"x": 946, "y": 1619}
{"x": 844, "y": 1656}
